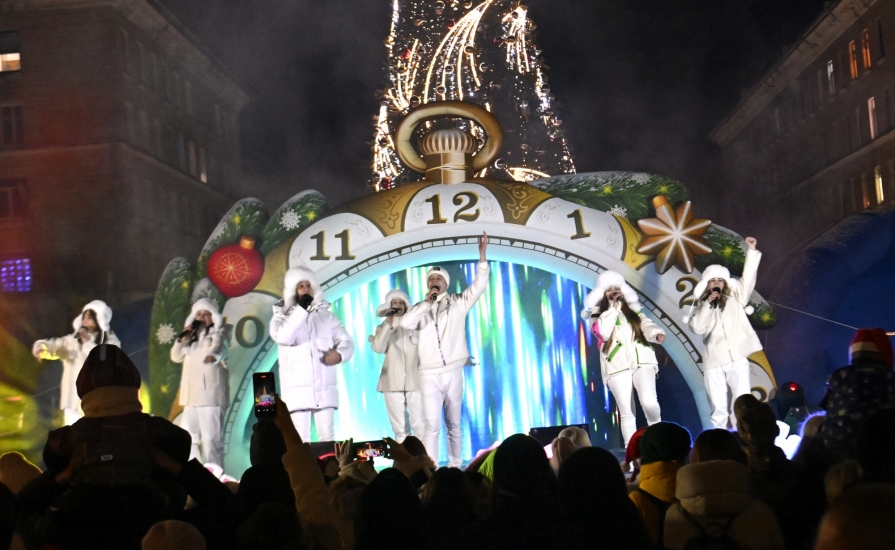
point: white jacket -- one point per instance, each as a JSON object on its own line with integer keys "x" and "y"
{"x": 204, "y": 384}
{"x": 624, "y": 352}
{"x": 305, "y": 381}
{"x": 400, "y": 371}
{"x": 727, "y": 334}
{"x": 442, "y": 326}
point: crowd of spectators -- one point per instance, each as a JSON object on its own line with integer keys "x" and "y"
{"x": 121, "y": 479}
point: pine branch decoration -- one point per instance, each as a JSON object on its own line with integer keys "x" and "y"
{"x": 169, "y": 312}
{"x": 291, "y": 218}
{"x": 246, "y": 217}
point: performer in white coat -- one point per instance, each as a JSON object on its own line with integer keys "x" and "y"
{"x": 443, "y": 351}
{"x": 722, "y": 320}
{"x": 205, "y": 380}
{"x": 627, "y": 361}
{"x": 91, "y": 327}
{"x": 399, "y": 381}
{"x": 311, "y": 342}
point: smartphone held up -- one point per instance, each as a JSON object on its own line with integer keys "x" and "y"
{"x": 371, "y": 449}
{"x": 264, "y": 385}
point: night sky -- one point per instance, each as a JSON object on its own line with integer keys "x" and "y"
{"x": 640, "y": 84}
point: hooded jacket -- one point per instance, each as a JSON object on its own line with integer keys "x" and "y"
{"x": 726, "y": 332}
{"x": 712, "y": 492}
{"x": 72, "y": 352}
{"x": 306, "y": 382}
{"x": 442, "y": 325}
{"x": 204, "y": 384}
{"x": 400, "y": 371}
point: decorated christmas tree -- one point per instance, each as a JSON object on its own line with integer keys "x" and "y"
{"x": 477, "y": 51}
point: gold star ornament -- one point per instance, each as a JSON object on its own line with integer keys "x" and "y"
{"x": 673, "y": 236}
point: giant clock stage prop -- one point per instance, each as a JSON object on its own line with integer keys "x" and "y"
{"x": 567, "y": 228}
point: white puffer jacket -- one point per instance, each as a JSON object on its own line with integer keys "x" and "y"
{"x": 442, "y": 325}
{"x": 72, "y": 352}
{"x": 306, "y": 382}
{"x": 204, "y": 384}
{"x": 625, "y": 353}
{"x": 727, "y": 333}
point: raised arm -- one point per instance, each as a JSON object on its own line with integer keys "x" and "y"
{"x": 61, "y": 347}
{"x": 702, "y": 321}
{"x": 414, "y": 315}
{"x": 482, "y": 275}
{"x": 178, "y": 353}
{"x": 746, "y": 284}
{"x": 289, "y": 328}
{"x": 651, "y": 330}
{"x": 606, "y": 323}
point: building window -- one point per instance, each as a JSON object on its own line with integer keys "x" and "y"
{"x": 203, "y": 171}
{"x": 188, "y": 97}
{"x": 879, "y": 34}
{"x": 871, "y": 113}
{"x": 831, "y": 78}
{"x": 192, "y": 154}
{"x": 13, "y": 200}
{"x": 865, "y": 48}
{"x": 878, "y": 179}
{"x": 15, "y": 275}
{"x": 12, "y": 126}
{"x": 865, "y": 192}
{"x": 10, "y": 54}
{"x": 181, "y": 152}
{"x": 853, "y": 59}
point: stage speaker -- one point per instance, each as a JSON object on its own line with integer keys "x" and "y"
{"x": 546, "y": 435}
{"x": 323, "y": 448}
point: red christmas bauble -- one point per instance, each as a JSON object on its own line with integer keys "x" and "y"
{"x": 235, "y": 269}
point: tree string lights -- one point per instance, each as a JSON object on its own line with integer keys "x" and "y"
{"x": 482, "y": 52}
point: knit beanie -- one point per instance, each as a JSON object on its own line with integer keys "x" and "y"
{"x": 16, "y": 471}
{"x": 871, "y": 345}
{"x": 632, "y": 453}
{"x": 173, "y": 535}
{"x": 439, "y": 271}
{"x": 578, "y": 436}
{"x": 664, "y": 441}
{"x": 106, "y": 365}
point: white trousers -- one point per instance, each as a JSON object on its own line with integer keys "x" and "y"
{"x": 443, "y": 393}
{"x": 205, "y": 425}
{"x": 622, "y": 386}
{"x": 405, "y": 413}
{"x": 323, "y": 419}
{"x": 734, "y": 375}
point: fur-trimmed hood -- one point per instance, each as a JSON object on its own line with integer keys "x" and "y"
{"x": 207, "y": 305}
{"x": 394, "y": 294}
{"x": 103, "y": 315}
{"x": 713, "y": 271}
{"x": 291, "y": 280}
{"x": 606, "y": 280}
{"x": 716, "y": 488}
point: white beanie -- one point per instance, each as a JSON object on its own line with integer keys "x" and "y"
{"x": 438, "y": 270}
{"x": 606, "y": 280}
{"x": 713, "y": 271}
{"x": 394, "y": 294}
{"x": 103, "y": 315}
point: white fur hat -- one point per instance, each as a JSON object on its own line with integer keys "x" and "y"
{"x": 209, "y": 306}
{"x": 103, "y": 315}
{"x": 291, "y": 280}
{"x": 394, "y": 294}
{"x": 438, "y": 270}
{"x": 713, "y": 271}
{"x": 606, "y": 280}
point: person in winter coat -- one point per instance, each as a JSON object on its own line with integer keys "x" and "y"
{"x": 441, "y": 320}
{"x": 399, "y": 382}
{"x": 721, "y": 319}
{"x": 714, "y": 497}
{"x": 312, "y": 341}
{"x": 205, "y": 380}
{"x": 91, "y": 328}
{"x": 627, "y": 361}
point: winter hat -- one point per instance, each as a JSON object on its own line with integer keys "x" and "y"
{"x": 173, "y": 535}
{"x": 562, "y": 448}
{"x": 437, "y": 270}
{"x": 871, "y": 345}
{"x": 578, "y": 436}
{"x": 295, "y": 276}
{"x": 103, "y": 315}
{"x": 394, "y": 294}
{"x": 665, "y": 441}
{"x": 606, "y": 280}
{"x": 16, "y": 471}
{"x": 207, "y": 305}
{"x": 757, "y": 425}
{"x": 632, "y": 453}
{"x": 106, "y": 365}
{"x": 713, "y": 271}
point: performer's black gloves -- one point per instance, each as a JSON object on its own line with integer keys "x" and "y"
{"x": 305, "y": 301}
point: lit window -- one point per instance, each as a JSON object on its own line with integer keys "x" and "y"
{"x": 831, "y": 77}
{"x": 853, "y": 59}
{"x": 13, "y": 200}
{"x": 10, "y": 62}
{"x": 878, "y": 178}
{"x": 865, "y": 48}
{"x": 15, "y": 275}
{"x": 871, "y": 113}
{"x": 865, "y": 192}
{"x": 12, "y": 126}
{"x": 10, "y": 53}
{"x": 203, "y": 172}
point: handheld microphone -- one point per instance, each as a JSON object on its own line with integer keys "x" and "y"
{"x": 717, "y": 290}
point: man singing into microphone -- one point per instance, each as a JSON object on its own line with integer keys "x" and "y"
{"x": 441, "y": 320}
{"x": 721, "y": 319}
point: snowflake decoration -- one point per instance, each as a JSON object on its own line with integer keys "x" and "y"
{"x": 619, "y": 211}
{"x": 165, "y": 334}
{"x": 290, "y": 220}
{"x": 641, "y": 178}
